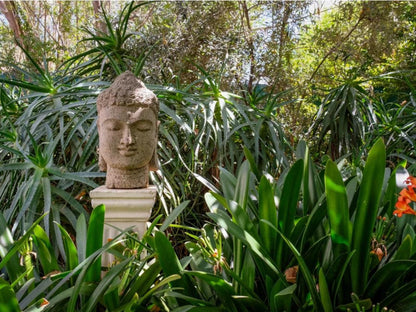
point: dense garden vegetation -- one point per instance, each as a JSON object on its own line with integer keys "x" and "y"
{"x": 286, "y": 150}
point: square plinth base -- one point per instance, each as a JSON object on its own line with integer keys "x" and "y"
{"x": 124, "y": 208}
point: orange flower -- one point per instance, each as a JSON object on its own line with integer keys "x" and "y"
{"x": 411, "y": 180}
{"x": 407, "y": 195}
{"x": 44, "y": 302}
{"x": 154, "y": 308}
{"x": 402, "y": 207}
{"x": 378, "y": 252}
{"x": 400, "y": 212}
{"x": 291, "y": 274}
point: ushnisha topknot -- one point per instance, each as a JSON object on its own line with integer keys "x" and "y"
{"x": 128, "y": 90}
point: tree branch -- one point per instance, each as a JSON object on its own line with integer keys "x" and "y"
{"x": 334, "y": 47}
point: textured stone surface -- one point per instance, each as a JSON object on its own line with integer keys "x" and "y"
{"x": 127, "y": 129}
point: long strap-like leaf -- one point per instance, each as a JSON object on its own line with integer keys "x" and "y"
{"x": 366, "y": 213}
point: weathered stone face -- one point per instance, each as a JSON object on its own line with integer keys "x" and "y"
{"x": 127, "y": 128}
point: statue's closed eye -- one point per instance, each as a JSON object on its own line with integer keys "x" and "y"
{"x": 143, "y": 125}
{"x": 112, "y": 125}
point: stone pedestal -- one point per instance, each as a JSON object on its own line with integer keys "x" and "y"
{"x": 124, "y": 208}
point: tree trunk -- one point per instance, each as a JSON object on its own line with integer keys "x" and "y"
{"x": 250, "y": 44}
{"x": 283, "y": 33}
{"x": 8, "y": 8}
{"x": 99, "y": 24}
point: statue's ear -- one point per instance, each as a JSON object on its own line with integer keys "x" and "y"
{"x": 101, "y": 163}
{"x": 153, "y": 166}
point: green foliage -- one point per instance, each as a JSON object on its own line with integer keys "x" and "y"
{"x": 283, "y": 233}
{"x": 203, "y": 128}
{"x": 8, "y": 301}
{"x": 250, "y": 237}
{"x": 346, "y": 114}
{"x": 360, "y": 81}
{"x": 366, "y": 213}
{"x": 133, "y": 283}
{"x": 338, "y": 212}
{"x": 53, "y": 137}
{"x": 47, "y": 148}
{"x": 396, "y": 117}
{"x": 109, "y": 57}
{"x": 246, "y": 217}
{"x": 95, "y": 230}
{"x": 345, "y": 43}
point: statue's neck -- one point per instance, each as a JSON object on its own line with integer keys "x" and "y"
{"x": 127, "y": 178}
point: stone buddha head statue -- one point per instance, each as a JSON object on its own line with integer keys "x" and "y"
{"x": 127, "y": 129}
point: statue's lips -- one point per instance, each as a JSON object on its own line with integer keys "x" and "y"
{"x": 128, "y": 151}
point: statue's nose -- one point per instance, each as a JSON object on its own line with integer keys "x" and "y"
{"x": 127, "y": 138}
